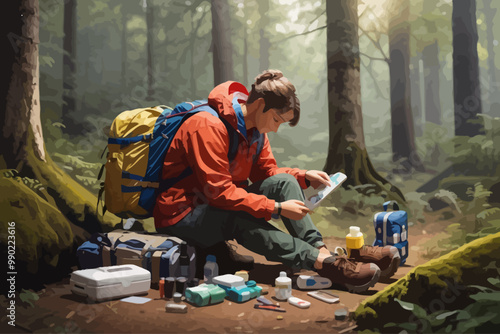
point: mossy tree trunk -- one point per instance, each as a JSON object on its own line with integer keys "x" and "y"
{"x": 346, "y": 149}
{"x": 22, "y": 145}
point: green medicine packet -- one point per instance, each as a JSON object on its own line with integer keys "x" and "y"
{"x": 205, "y": 294}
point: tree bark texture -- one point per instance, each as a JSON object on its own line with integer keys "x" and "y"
{"x": 264, "y": 43}
{"x": 466, "y": 89}
{"x": 416, "y": 94}
{"x": 20, "y": 115}
{"x": 346, "y": 147}
{"x": 430, "y": 59}
{"x": 149, "y": 46}
{"x": 221, "y": 42}
{"x": 403, "y": 133}
{"x": 69, "y": 68}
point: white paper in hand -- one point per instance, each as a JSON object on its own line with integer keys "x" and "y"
{"x": 315, "y": 196}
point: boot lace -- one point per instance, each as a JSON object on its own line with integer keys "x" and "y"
{"x": 345, "y": 264}
{"x": 370, "y": 250}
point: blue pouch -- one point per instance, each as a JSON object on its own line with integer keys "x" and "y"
{"x": 391, "y": 228}
{"x": 89, "y": 255}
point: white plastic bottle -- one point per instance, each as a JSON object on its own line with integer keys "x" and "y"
{"x": 283, "y": 286}
{"x": 211, "y": 269}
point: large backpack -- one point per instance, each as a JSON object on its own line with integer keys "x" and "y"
{"x": 138, "y": 142}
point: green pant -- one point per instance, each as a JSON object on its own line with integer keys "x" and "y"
{"x": 207, "y": 225}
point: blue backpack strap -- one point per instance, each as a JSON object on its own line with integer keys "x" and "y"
{"x": 233, "y": 140}
{"x": 395, "y": 206}
{"x": 233, "y": 137}
{"x": 130, "y": 140}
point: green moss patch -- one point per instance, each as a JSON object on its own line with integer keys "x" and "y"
{"x": 440, "y": 284}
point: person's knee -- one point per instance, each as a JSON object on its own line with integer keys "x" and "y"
{"x": 286, "y": 179}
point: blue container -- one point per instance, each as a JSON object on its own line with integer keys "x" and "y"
{"x": 391, "y": 228}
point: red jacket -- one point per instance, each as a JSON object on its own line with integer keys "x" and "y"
{"x": 202, "y": 143}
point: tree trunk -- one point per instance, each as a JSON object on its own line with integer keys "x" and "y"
{"x": 264, "y": 43}
{"x": 403, "y": 135}
{"x": 430, "y": 59}
{"x": 466, "y": 89}
{"x": 489, "y": 15}
{"x": 416, "y": 95}
{"x": 346, "y": 148}
{"x": 50, "y": 223}
{"x": 149, "y": 45}
{"x": 21, "y": 144}
{"x": 221, "y": 42}
{"x": 124, "y": 83}
{"x": 22, "y": 105}
{"x": 245, "y": 55}
{"x": 69, "y": 69}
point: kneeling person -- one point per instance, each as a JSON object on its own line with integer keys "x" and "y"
{"x": 215, "y": 203}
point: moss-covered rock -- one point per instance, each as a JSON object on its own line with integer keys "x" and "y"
{"x": 440, "y": 284}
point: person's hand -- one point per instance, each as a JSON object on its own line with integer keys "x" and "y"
{"x": 317, "y": 178}
{"x": 293, "y": 209}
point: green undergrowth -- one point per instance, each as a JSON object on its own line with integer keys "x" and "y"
{"x": 477, "y": 217}
{"x": 79, "y": 157}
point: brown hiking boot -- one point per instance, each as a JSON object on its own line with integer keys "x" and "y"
{"x": 355, "y": 276}
{"x": 387, "y": 258}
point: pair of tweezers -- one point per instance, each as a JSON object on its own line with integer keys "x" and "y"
{"x": 275, "y": 308}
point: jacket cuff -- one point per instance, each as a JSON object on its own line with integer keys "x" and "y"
{"x": 270, "y": 208}
{"x": 301, "y": 178}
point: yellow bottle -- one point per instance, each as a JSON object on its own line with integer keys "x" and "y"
{"x": 354, "y": 240}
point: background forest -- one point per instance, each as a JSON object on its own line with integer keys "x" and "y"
{"x": 403, "y": 96}
{"x": 121, "y": 55}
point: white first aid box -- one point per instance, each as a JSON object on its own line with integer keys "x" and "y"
{"x": 106, "y": 283}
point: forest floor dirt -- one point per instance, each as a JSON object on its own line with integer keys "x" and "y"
{"x": 59, "y": 311}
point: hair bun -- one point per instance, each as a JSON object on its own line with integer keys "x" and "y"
{"x": 268, "y": 75}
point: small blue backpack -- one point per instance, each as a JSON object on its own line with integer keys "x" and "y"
{"x": 391, "y": 228}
